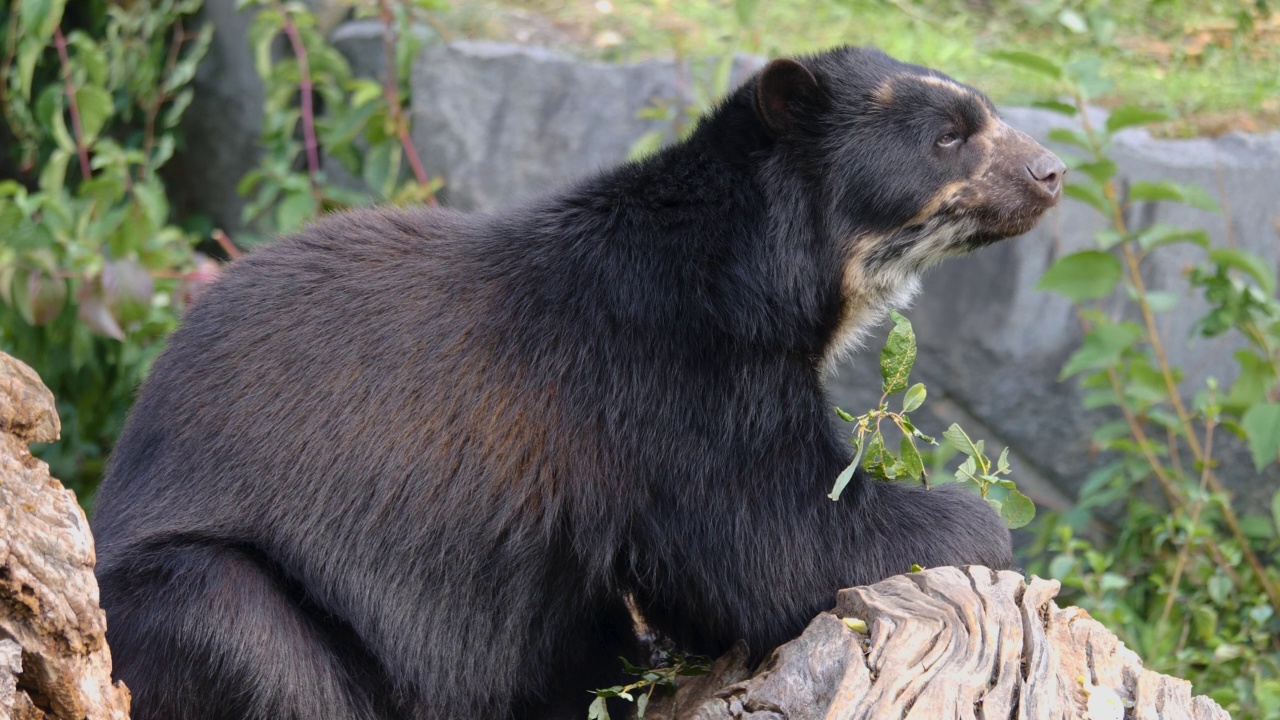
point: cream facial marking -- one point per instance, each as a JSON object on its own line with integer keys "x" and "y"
{"x": 943, "y": 83}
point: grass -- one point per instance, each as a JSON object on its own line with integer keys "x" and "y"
{"x": 1215, "y": 64}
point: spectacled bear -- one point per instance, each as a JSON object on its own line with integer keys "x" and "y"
{"x": 408, "y": 463}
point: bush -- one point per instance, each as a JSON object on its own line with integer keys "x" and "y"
{"x": 93, "y": 271}
{"x": 1186, "y": 582}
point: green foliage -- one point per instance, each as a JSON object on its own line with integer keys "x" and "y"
{"x": 1185, "y": 581}
{"x": 674, "y": 665}
{"x": 93, "y": 273}
{"x": 872, "y": 452}
{"x": 317, "y": 113}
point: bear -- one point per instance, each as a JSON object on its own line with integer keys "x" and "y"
{"x": 416, "y": 463}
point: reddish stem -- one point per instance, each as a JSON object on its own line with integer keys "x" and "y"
{"x": 228, "y": 247}
{"x": 70, "y": 90}
{"x": 149, "y": 129}
{"x": 391, "y": 91}
{"x": 308, "y": 111}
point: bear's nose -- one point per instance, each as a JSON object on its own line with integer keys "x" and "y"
{"x": 1047, "y": 169}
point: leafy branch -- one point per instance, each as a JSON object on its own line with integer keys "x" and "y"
{"x": 650, "y": 679}
{"x": 872, "y": 455}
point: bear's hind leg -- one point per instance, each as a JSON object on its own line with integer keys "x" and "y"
{"x": 204, "y": 632}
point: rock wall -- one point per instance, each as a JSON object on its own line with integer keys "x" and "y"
{"x": 501, "y": 122}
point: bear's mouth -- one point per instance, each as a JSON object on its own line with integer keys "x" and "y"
{"x": 991, "y": 225}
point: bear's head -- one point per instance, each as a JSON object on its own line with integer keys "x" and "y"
{"x": 910, "y": 167}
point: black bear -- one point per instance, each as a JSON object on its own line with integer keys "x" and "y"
{"x": 410, "y": 463}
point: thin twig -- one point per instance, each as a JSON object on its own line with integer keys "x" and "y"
{"x": 153, "y": 109}
{"x": 308, "y": 109}
{"x": 69, "y": 89}
{"x": 1184, "y": 552}
{"x": 391, "y": 91}
{"x": 225, "y": 243}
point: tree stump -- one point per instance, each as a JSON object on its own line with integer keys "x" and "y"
{"x": 943, "y": 644}
{"x": 54, "y": 661}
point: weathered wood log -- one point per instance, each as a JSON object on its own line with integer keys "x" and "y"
{"x": 943, "y": 644}
{"x": 54, "y": 661}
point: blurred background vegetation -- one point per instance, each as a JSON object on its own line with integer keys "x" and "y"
{"x": 96, "y": 265}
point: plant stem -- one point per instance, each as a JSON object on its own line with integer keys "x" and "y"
{"x": 1184, "y": 552}
{"x": 391, "y": 91}
{"x": 225, "y": 243}
{"x": 308, "y": 110}
{"x": 69, "y": 89}
{"x": 153, "y": 108}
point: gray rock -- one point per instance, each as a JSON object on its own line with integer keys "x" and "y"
{"x": 502, "y": 121}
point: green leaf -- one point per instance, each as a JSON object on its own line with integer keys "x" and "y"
{"x": 1262, "y": 423}
{"x": 1220, "y": 587}
{"x": 1059, "y": 107}
{"x": 1130, "y": 115}
{"x": 1070, "y": 137}
{"x": 642, "y": 704}
{"x": 1158, "y": 235}
{"x": 846, "y": 475}
{"x": 54, "y": 173}
{"x": 1100, "y": 170}
{"x": 912, "y": 463}
{"x": 381, "y": 167}
{"x": 29, "y": 50}
{"x": 1002, "y": 465}
{"x": 1029, "y": 61}
{"x": 1257, "y": 527}
{"x": 1089, "y": 194}
{"x": 364, "y": 90}
{"x": 1167, "y": 191}
{"x": 1155, "y": 191}
{"x": 1017, "y": 510}
{"x": 1248, "y": 263}
{"x": 95, "y": 108}
{"x": 294, "y": 211}
{"x": 914, "y": 398}
{"x": 598, "y": 710}
{"x": 89, "y": 55}
{"x": 1275, "y": 510}
{"x": 1108, "y": 238}
{"x": 1083, "y": 276}
{"x": 40, "y": 18}
{"x": 957, "y": 437}
{"x": 1101, "y": 347}
{"x": 844, "y": 415}
{"x": 879, "y": 462}
{"x": 647, "y": 144}
{"x": 1161, "y": 300}
{"x": 1256, "y": 377}
{"x": 899, "y": 354}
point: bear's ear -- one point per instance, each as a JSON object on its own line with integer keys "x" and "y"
{"x": 785, "y": 87}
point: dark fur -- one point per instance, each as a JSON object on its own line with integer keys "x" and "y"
{"x": 407, "y": 463}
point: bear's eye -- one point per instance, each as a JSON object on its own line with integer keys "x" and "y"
{"x": 948, "y": 140}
